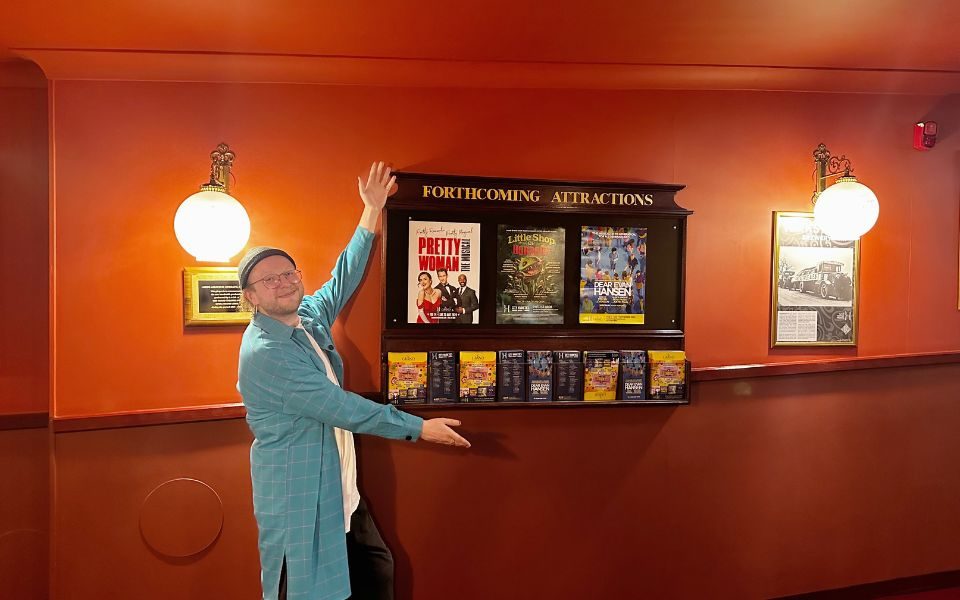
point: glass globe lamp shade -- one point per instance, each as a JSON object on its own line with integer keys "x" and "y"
{"x": 212, "y": 226}
{"x": 846, "y": 210}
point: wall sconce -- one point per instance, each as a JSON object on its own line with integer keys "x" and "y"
{"x": 211, "y": 225}
{"x": 847, "y": 209}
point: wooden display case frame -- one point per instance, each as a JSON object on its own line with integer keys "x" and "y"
{"x": 417, "y": 199}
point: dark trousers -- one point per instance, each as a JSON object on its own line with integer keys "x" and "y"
{"x": 369, "y": 560}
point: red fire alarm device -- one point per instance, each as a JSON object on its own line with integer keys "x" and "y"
{"x": 924, "y": 135}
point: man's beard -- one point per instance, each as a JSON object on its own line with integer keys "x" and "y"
{"x": 284, "y": 307}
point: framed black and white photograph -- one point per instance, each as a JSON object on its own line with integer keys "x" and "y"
{"x": 815, "y": 285}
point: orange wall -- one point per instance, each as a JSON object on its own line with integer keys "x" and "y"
{"x": 24, "y": 225}
{"x": 128, "y": 153}
{"x": 759, "y": 488}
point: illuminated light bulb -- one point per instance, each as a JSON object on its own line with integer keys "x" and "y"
{"x": 211, "y": 225}
{"x": 846, "y": 210}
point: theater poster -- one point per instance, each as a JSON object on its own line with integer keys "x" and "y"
{"x": 530, "y": 279}
{"x": 613, "y": 275}
{"x": 443, "y": 279}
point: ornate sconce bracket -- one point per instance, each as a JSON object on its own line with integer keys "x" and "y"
{"x": 221, "y": 160}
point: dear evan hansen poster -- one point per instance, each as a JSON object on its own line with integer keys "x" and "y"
{"x": 613, "y": 275}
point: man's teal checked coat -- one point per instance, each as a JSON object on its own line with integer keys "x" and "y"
{"x": 292, "y": 408}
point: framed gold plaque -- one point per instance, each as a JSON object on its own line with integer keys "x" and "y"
{"x": 816, "y": 285}
{"x": 211, "y": 296}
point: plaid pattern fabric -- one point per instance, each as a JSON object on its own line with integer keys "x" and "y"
{"x": 292, "y": 408}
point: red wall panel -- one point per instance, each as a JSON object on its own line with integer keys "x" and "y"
{"x": 103, "y": 479}
{"x": 760, "y": 488}
{"x": 24, "y": 225}
{"x": 24, "y": 513}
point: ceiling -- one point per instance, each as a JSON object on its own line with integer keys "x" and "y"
{"x": 881, "y": 36}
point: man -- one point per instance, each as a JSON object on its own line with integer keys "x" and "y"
{"x": 312, "y": 522}
{"x": 637, "y": 291}
{"x": 632, "y": 260}
{"x": 448, "y": 294}
{"x": 466, "y": 301}
{"x": 589, "y": 272}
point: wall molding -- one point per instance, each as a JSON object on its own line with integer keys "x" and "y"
{"x": 824, "y": 366}
{"x": 916, "y": 584}
{"x": 21, "y": 74}
{"x": 142, "y": 418}
{"x": 226, "y": 67}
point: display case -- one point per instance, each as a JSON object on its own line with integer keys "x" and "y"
{"x": 481, "y": 265}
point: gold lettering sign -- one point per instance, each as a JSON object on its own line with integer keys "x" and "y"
{"x": 448, "y": 192}
{"x": 608, "y": 198}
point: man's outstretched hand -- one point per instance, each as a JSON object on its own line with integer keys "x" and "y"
{"x": 438, "y": 431}
{"x": 375, "y": 191}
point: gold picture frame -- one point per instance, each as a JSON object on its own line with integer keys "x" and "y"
{"x": 211, "y": 296}
{"x": 815, "y": 285}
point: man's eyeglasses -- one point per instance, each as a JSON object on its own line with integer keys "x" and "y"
{"x": 273, "y": 281}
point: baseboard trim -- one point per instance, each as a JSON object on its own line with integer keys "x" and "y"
{"x": 32, "y": 420}
{"x": 881, "y": 589}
